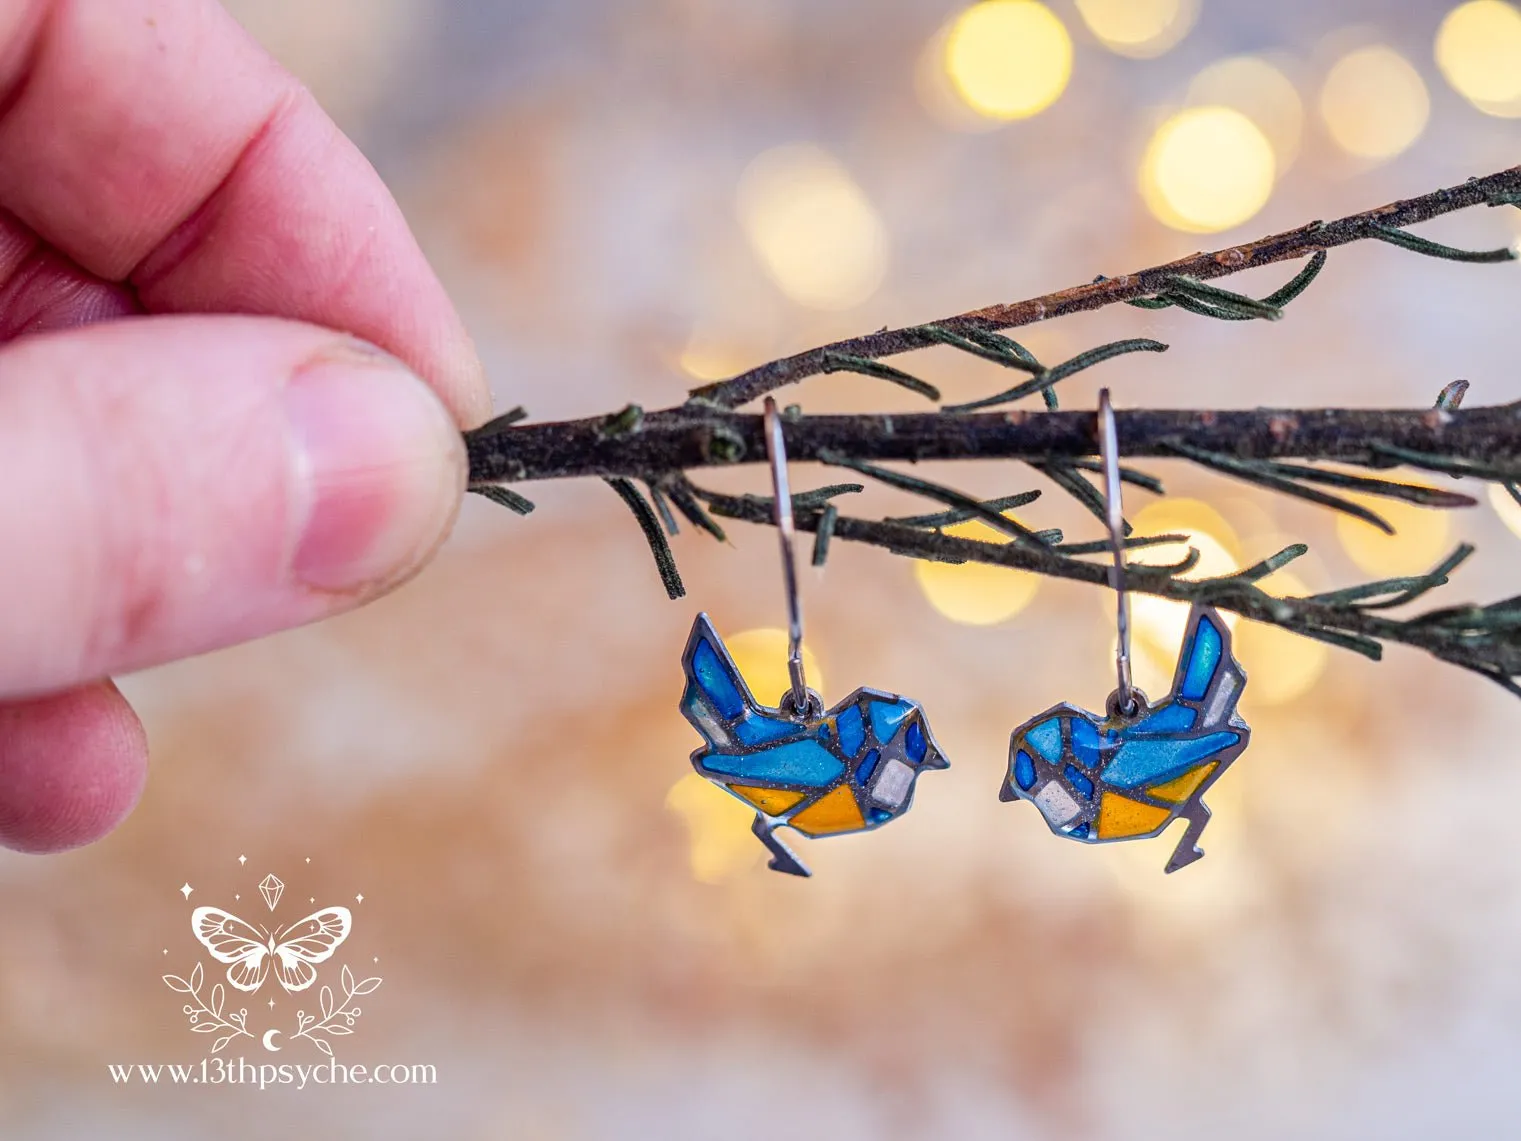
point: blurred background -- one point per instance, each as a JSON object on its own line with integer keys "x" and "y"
{"x": 627, "y": 200}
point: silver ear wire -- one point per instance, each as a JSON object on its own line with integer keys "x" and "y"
{"x": 776, "y": 452}
{"x": 1124, "y": 700}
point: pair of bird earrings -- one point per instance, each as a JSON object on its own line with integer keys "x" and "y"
{"x": 1125, "y": 775}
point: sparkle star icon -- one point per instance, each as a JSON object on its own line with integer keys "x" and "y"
{"x": 359, "y": 898}
{"x": 271, "y": 1004}
{"x": 242, "y": 859}
{"x": 186, "y": 890}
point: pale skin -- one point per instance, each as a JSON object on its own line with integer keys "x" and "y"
{"x": 231, "y": 387}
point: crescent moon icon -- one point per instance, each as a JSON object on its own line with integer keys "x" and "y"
{"x": 269, "y": 1041}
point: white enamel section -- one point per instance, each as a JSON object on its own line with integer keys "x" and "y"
{"x": 893, "y": 781}
{"x": 1056, "y": 803}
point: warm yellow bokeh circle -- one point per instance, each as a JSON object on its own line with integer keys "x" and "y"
{"x": 1478, "y": 49}
{"x": 1422, "y": 536}
{"x": 812, "y": 227}
{"x": 1263, "y": 93}
{"x": 1008, "y": 59}
{"x": 1280, "y": 666}
{"x": 761, "y": 656}
{"x": 1141, "y": 29}
{"x": 976, "y": 594}
{"x": 719, "y": 841}
{"x": 1157, "y": 623}
{"x": 1207, "y": 169}
{"x": 1374, "y": 103}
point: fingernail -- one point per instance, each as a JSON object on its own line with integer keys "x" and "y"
{"x": 379, "y": 471}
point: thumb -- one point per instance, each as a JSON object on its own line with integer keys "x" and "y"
{"x": 177, "y": 484}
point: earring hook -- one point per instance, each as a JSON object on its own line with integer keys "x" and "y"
{"x": 1124, "y": 700}
{"x": 776, "y": 452}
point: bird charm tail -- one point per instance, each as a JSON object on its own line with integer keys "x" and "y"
{"x": 1207, "y": 673}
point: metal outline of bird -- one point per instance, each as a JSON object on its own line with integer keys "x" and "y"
{"x": 876, "y": 779}
{"x": 1076, "y": 790}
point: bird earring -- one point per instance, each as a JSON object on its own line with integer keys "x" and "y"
{"x": 850, "y": 769}
{"x": 1131, "y": 773}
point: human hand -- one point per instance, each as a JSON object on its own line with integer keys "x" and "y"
{"x": 192, "y": 456}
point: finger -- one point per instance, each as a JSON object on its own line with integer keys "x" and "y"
{"x": 175, "y": 484}
{"x": 72, "y": 765}
{"x": 153, "y": 141}
{"x": 47, "y": 291}
{"x": 40, "y": 289}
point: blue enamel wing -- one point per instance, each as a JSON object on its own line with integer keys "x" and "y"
{"x": 850, "y": 769}
{"x": 1127, "y": 777}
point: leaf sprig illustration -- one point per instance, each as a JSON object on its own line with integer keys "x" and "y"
{"x": 336, "y": 1020}
{"x": 208, "y": 1017}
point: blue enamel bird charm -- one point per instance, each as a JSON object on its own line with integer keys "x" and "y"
{"x": 850, "y": 769}
{"x": 1125, "y": 777}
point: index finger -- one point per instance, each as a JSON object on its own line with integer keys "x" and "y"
{"x": 153, "y": 142}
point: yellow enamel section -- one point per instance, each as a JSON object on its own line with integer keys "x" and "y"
{"x": 1120, "y": 816}
{"x": 1183, "y": 787}
{"x": 771, "y": 801}
{"x": 837, "y": 812}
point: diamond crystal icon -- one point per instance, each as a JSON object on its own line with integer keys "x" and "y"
{"x": 270, "y": 888}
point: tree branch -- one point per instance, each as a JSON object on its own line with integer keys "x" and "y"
{"x": 1308, "y": 239}
{"x": 692, "y": 437}
{"x": 660, "y": 448}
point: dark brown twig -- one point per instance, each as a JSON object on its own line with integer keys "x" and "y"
{"x": 1287, "y": 246}
{"x": 692, "y": 437}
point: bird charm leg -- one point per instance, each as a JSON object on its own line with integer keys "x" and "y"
{"x": 782, "y": 859}
{"x": 1188, "y": 850}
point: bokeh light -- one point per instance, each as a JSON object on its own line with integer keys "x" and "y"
{"x": 976, "y": 594}
{"x": 1506, "y": 507}
{"x": 705, "y": 357}
{"x": 718, "y": 825}
{"x": 812, "y": 227}
{"x": 1261, "y": 92}
{"x": 1207, "y": 169}
{"x": 1008, "y": 59}
{"x": 1207, "y": 531}
{"x": 1421, "y": 537}
{"x": 761, "y": 656}
{"x": 720, "y": 843}
{"x": 937, "y": 91}
{"x": 1151, "y": 665}
{"x": 1157, "y": 623}
{"x": 1374, "y": 102}
{"x": 1478, "y": 49}
{"x": 1141, "y": 29}
{"x": 1280, "y": 666}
